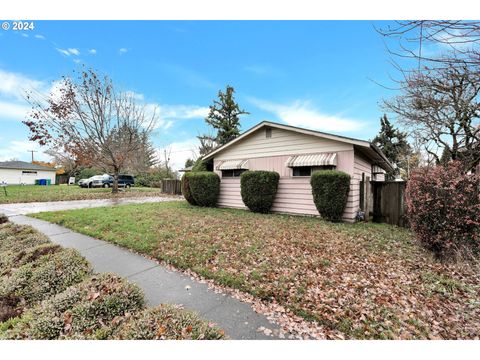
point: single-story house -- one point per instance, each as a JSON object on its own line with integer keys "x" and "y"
{"x": 295, "y": 153}
{"x": 21, "y": 172}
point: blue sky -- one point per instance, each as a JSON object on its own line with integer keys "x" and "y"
{"x": 316, "y": 74}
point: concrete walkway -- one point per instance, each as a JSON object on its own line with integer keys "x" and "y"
{"x": 36, "y": 207}
{"x": 159, "y": 284}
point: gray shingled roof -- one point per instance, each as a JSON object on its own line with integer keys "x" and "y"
{"x": 23, "y": 165}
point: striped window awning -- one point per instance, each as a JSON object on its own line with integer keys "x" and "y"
{"x": 323, "y": 159}
{"x": 377, "y": 170}
{"x": 233, "y": 165}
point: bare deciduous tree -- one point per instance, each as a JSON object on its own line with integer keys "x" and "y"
{"x": 88, "y": 116}
{"x": 66, "y": 160}
{"x": 459, "y": 38}
{"x": 441, "y": 108}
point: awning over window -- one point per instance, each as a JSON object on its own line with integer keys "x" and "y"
{"x": 233, "y": 165}
{"x": 323, "y": 159}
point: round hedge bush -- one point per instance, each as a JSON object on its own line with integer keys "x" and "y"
{"x": 16, "y": 238}
{"x": 205, "y": 187}
{"x": 85, "y": 310}
{"x": 330, "y": 193}
{"x": 46, "y": 276}
{"x": 10, "y": 260}
{"x": 187, "y": 194}
{"x": 258, "y": 189}
{"x": 166, "y": 322}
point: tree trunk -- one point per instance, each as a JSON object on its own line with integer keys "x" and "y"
{"x": 115, "y": 182}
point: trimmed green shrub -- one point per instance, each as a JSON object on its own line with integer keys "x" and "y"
{"x": 330, "y": 193}
{"x": 85, "y": 310}
{"x": 10, "y": 260}
{"x": 16, "y": 238}
{"x": 166, "y": 322}
{"x": 46, "y": 276}
{"x": 3, "y": 219}
{"x": 258, "y": 189}
{"x": 205, "y": 187}
{"x": 187, "y": 194}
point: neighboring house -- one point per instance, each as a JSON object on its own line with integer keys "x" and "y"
{"x": 21, "y": 172}
{"x": 295, "y": 153}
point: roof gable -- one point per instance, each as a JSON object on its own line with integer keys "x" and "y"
{"x": 22, "y": 165}
{"x": 332, "y": 143}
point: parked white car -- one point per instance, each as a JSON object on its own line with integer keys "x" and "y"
{"x": 96, "y": 181}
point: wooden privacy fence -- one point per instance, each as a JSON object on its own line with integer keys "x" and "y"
{"x": 389, "y": 202}
{"x": 172, "y": 187}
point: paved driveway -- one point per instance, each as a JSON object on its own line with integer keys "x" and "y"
{"x": 36, "y": 207}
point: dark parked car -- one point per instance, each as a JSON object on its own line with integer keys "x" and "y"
{"x": 123, "y": 181}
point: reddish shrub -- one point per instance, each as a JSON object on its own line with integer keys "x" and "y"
{"x": 443, "y": 208}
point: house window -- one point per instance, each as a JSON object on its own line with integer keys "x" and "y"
{"x": 29, "y": 172}
{"x": 232, "y": 173}
{"x": 268, "y": 133}
{"x": 308, "y": 170}
{"x": 302, "y": 171}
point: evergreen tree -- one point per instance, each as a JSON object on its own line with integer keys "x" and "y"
{"x": 189, "y": 162}
{"x": 446, "y": 156}
{"x": 394, "y": 145}
{"x": 224, "y": 116}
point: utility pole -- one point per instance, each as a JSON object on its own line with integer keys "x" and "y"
{"x": 32, "y": 151}
{"x": 167, "y": 160}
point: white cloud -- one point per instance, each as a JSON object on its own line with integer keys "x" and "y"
{"x": 179, "y": 152}
{"x": 167, "y": 114}
{"x": 20, "y": 150}
{"x": 68, "y": 52}
{"x": 64, "y": 52}
{"x": 13, "y": 110}
{"x": 41, "y": 37}
{"x": 122, "y": 50}
{"x": 304, "y": 114}
{"x": 92, "y": 51}
{"x": 77, "y": 61}
{"x": 74, "y": 51}
{"x": 183, "y": 111}
{"x": 25, "y": 35}
{"x": 15, "y": 84}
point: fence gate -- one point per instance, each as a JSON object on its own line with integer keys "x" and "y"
{"x": 388, "y": 202}
{"x": 172, "y": 187}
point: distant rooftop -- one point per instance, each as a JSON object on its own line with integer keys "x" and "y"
{"x": 23, "y": 165}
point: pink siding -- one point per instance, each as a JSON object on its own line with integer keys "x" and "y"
{"x": 360, "y": 166}
{"x": 230, "y": 193}
{"x": 294, "y": 193}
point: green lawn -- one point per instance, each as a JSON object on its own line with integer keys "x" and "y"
{"x": 32, "y": 193}
{"x": 362, "y": 280}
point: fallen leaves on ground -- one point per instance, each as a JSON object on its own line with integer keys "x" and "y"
{"x": 315, "y": 279}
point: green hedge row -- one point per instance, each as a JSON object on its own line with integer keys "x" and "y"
{"x": 330, "y": 190}
{"x": 258, "y": 189}
{"x": 201, "y": 188}
{"x": 330, "y": 193}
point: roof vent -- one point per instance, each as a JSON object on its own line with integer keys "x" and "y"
{"x": 268, "y": 132}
